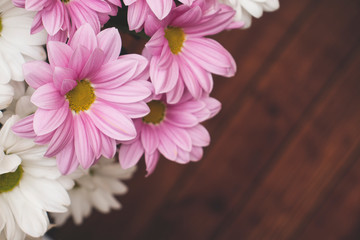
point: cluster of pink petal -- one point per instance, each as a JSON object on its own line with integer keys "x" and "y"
{"x": 179, "y": 137}
{"x": 120, "y": 85}
{"x": 61, "y": 19}
{"x": 191, "y": 68}
{"x": 139, "y": 10}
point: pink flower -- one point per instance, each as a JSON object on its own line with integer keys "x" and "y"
{"x": 139, "y": 9}
{"x": 61, "y": 18}
{"x": 180, "y": 57}
{"x": 86, "y": 98}
{"x": 173, "y": 130}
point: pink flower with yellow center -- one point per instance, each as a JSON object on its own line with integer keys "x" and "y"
{"x": 179, "y": 54}
{"x": 173, "y": 130}
{"x": 61, "y": 18}
{"x": 139, "y": 9}
{"x": 86, "y": 98}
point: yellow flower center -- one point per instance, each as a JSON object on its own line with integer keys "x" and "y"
{"x": 81, "y": 97}
{"x": 176, "y": 38}
{"x": 157, "y": 112}
{"x": 65, "y": 1}
{"x": 9, "y": 181}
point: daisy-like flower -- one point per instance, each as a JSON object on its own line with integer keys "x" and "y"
{"x": 6, "y": 96}
{"x": 173, "y": 130}
{"x": 61, "y": 18}
{"x": 21, "y": 104}
{"x": 29, "y": 186}
{"x": 246, "y": 9}
{"x": 95, "y": 188}
{"x": 181, "y": 57}
{"x": 86, "y": 98}
{"x": 139, "y": 9}
{"x": 17, "y": 45}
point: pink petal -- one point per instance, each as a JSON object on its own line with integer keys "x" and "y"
{"x": 181, "y": 118}
{"x": 212, "y": 23}
{"x": 53, "y": 19}
{"x": 130, "y": 154}
{"x": 24, "y": 128}
{"x": 37, "y": 73}
{"x": 111, "y": 122}
{"x": 84, "y": 36}
{"x": 176, "y": 93}
{"x": 213, "y": 105}
{"x": 199, "y": 136}
{"x": 133, "y": 110}
{"x": 190, "y": 17}
{"x": 160, "y": 8}
{"x": 61, "y": 74}
{"x": 196, "y": 153}
{"x": 156, "y": 42}
{"x": 93, "y": 135}
{"x": 164, "y": 80}
{"x": 83, "y": 150}
{"x": 149, "y": 139}
{"x": 93, "y": 64}
{"x": 46, "y": 121}
{"x": 47, "y": 97}
{"x": 78, "y": 60}
{"x": 35, "y": 5}
{"x": 130, "y": 92}
{"x": 191, "y": 81}
{"x": 98, "y": 6}
{"x": 110, "y": 42}
{"x": 59, "y": 53}
{"x": 210, "y": 55}
{"x": 136, "y": 14}
{"x": 167, "y": 147}
{"x": 66, "y": 160}
{"x": 61, "y": 137}
{"x": 108, "y": 146}
{"x": 179, "y": 136}
{"x": 151, "y": 161}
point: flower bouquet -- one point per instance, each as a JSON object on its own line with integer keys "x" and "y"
{"x": 87, "y": 113}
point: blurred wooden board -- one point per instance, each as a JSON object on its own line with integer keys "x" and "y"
{"x": 283, "y": 162}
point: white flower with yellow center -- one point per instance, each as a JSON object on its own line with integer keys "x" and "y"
{"x": 30, "y": 186}
{"x": 246, "y": 9}
{"x": 17, "y": 45}
{"x": 95, "y": 188}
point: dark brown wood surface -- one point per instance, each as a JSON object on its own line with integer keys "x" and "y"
{"x": 284, "y": 162}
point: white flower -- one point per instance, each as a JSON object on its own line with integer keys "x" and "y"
{"x": 6, "y": 96}
{"x": 95, "y": 188}
{"x": 245, "y": 9}
{"x": 17, "y": 45}
{"x": 21, "y": 104}
{"x": 29, "y": 186}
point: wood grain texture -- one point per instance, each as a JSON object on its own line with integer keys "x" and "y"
{"x": 283, "y": 162}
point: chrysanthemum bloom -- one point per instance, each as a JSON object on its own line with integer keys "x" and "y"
{"x": 95, "y": 188}
{"x": 139, "y": 9}
{"x": 86, "y": 98}
{"x": 29, "y": 186}
{"x": 61, "y": 18}
{"x": 246, "y": 9}
{"x": 173, "y": 130}
{"x": 17, "y": 45}
{"x": 181, "y": 57}
{"x": 20, "y": 104}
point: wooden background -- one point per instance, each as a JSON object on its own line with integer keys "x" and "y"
{"x": 284, "y": 158}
